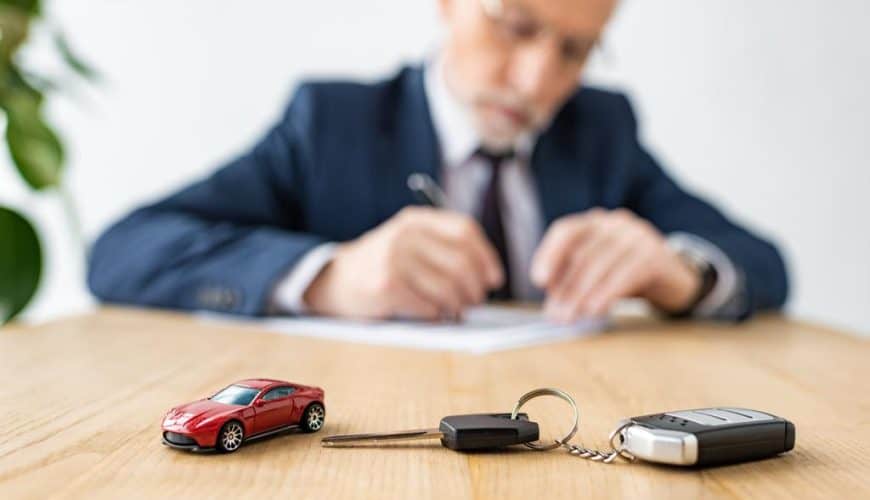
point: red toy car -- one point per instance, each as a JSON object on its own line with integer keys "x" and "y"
{"x": 246, "y": 410}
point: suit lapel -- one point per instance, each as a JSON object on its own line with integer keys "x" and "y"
{"x": 409, "y": 145}
{"x": 561, "y": 165}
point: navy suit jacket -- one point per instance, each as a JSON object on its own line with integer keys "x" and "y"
{"x": 336, "y": 165}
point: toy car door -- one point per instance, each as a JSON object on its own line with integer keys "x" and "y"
{"x": 273, "y": 409}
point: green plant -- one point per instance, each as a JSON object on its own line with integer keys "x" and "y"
{"x": 35, "y": 149}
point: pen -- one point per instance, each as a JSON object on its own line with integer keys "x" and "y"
{"x": 426, "y": 190}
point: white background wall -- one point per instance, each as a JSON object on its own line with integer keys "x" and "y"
{"x": 761, "y": 105}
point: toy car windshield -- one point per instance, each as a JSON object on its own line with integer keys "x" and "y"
{"x": 235, "y": 395}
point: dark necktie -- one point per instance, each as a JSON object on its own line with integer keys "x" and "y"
{"x": 491, "y": 217}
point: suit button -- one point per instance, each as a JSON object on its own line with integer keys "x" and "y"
{"x": 210, "y": 298}
{"x": 221, "y": 299}
{"x": 204, "y": 297}
{"x": 227, "y": 299}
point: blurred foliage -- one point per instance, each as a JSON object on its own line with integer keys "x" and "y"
{"x": 34, "y": 147}
{"x": 20, "y": 263}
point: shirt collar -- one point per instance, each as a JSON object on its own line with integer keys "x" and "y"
{"x": 453, "y": 125}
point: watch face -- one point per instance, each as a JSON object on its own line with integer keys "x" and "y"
{"x": 705, "y": 271}
{"x": 697, "y": 262}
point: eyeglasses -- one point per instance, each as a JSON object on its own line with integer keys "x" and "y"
{"x": 516, "y": 26}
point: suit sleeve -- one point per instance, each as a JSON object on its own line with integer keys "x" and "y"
{"x": 653, "y": 195}
{"x": 222, "y": 243}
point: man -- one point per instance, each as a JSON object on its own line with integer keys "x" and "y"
{"x": 550, "y": 196}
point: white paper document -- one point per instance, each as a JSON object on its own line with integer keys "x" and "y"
{"x": 484, "y": 329}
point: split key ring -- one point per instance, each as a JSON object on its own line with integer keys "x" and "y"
{"x": 549, "y": 392}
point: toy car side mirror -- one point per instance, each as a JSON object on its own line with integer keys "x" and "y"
{"x": 259, "y": 402}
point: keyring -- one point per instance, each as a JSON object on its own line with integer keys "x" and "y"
{"x": 620, "y": 448}
{"x": 549, "y": 392}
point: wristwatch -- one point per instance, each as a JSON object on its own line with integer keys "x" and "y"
{"x": 705, "y": 271}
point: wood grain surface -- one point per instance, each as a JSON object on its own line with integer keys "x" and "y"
{"x": 81, "y": 401}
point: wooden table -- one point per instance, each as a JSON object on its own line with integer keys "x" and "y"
{"x": 81, "y": 401}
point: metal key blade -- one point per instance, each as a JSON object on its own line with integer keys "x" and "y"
{"x": 457, "y": 432}
{"x": 351, "y": 440}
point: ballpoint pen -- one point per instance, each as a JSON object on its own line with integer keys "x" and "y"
{"x": 426, "y": 190}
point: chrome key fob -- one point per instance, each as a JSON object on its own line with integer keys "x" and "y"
{"x": 707, "y": 436}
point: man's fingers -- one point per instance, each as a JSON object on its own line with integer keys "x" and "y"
{"x": 610, "y": 253}
{"x": 597, "y": 299}
{"x": 445, "y": 258}
{"x": 634, "y": 272}
{"x": 434, "y": 287}
{"x": 584, "y": 278}
{"x": 621, "y": 283}
{"x": 554, "y": 252}
{"x": 408, "y": 304}
{"x": 588, "y": 256}
{"x": 457, "y": 264}
{"x": 463, "y": 231}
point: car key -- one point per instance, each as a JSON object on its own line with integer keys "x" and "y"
{"x": 706, "y": 436}
{"x": 457, "y": 432}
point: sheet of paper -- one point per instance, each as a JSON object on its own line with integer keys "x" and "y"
{"x": 484, "y": 329}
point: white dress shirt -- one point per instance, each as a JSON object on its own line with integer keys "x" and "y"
{"x": 464, "y": 179}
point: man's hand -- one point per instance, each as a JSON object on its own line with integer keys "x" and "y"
{"x": 422, "y": 263}
{"x": 588, "y": 261}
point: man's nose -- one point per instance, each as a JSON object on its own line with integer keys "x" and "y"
{"x": 536, "y": 71}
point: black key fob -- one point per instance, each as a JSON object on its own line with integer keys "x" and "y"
{"x": 486, "y": 431}
{"x": 707, "y": 436}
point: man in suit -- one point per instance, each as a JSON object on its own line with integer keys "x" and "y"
{"x": 550, "y": 196}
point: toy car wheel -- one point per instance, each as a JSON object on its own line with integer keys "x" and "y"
{"x": 313, "y": 418}
{"x": 231, "y": 436}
